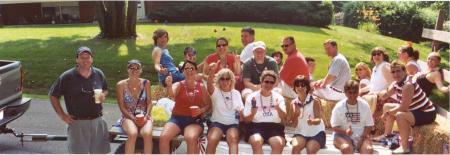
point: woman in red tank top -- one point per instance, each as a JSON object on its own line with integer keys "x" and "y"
{"x": 185, "y": 118}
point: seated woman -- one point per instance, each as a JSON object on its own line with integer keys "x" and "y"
{"x": 363, "y": 74}
{"x": 381, "y": 76}
{"x": 191, "y": 101}
{"x": 227, "y": 108}
{"x": 265, "y": 109}
{"x": 351, "y": 122}
{"x": 409, "y": 56}
{"x": 415, "y": 109}
{"x": 162, "y": 59}
{"x": 434, "y": 78}
{"x": 222, "y": 58}
{"x": 133, "y": 96}
{"x": 310, "y": 129}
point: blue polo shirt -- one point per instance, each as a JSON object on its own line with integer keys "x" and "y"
{"x": 78, "y": 91}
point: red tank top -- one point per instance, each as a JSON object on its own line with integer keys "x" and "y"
{"x": 186, "y": 98}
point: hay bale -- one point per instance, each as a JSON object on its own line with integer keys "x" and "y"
{"x": 429, "y": 139}
{"x": 327, "y": 108}
{"x": 371, "y": 99}
{"x": 158, "y": 92}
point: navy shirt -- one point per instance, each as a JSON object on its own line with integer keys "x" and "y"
{"x": 78, "y": 91}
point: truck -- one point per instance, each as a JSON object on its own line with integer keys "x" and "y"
{"x": 12, "y": 104}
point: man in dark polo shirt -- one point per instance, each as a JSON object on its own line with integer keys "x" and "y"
{"x": 87, "y": 131}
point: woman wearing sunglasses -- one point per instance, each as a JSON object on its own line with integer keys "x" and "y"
{"x": 264, "y": 110}
{"x": 191, "y": 100}
{"x": 133, "y": 96}
{"x": 381, "y": 76}
{"x": 227, "y": 60}
{"x": 310, "y": 129}
{"x": 415, "y": 109}
{"x": 226, "y": 110}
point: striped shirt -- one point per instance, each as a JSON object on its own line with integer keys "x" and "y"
{"x": 419, "y": 101}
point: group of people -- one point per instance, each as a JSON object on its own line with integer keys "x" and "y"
{"x": 251, "y": 96}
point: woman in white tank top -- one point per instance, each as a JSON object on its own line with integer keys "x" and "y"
{"x": 310, "y": 129}
{"x": 381, "y": 76}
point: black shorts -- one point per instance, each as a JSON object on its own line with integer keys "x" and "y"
{"x": 266, "y": 130}
{"x": 319, "y": 137}
{"x": 423, "y": 118}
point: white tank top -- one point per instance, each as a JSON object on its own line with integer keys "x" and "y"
{"x": 377, "y": 80}
{"x": 302, "y": 127}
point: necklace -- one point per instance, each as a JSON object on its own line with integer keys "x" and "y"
{"x": 191, "y": 95}
{"x": 267, "y": 110}
{"x": 227, "y": 100}
{"x": 353, "y": 117}
{"x": 256, "y": 67}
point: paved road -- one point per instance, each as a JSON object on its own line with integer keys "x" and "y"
{"x": 41, "y": 118}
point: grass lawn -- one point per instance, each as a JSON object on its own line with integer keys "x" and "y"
{"x": 48, "y": 50}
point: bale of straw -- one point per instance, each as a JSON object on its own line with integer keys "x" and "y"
{"x": 377, "y": 111}
{"x": 158, "y": 92}
{"x": 371, "y": 99}
{"x": 327, "y": 108}
{"x": 429, "y": 139}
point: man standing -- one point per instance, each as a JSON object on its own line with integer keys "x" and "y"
{"x": 332, "y": 86}
{"x": 87, "y": 131}
{"x": 295, "y": 65}
{"x": 253, "y": 68}
{"x": 247, "y": 39}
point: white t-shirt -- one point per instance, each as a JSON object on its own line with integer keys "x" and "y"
{"x": 225, "y": 105}
{"x": 365, "y": 82}
{"x": 265, "y": 112}
{"x": 359, "y": 116}
{"x": 247, "y": 52}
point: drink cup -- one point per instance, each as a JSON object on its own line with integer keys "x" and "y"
{"x": 97, "y": 93}
{"x": 193, "y": 110}
{"x": 140, "y": 118}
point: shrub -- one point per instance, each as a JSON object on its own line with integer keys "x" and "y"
{"x": 303, "y": 13}
{"x": 369, "y": 27}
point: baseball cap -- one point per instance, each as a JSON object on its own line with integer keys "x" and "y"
{"x": 134, "y": 62}
{"x": 84, "y": 49}
{"x": 259, "y": 44}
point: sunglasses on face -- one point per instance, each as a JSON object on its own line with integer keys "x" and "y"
{"x": 285, "y": 45}
{"x": 269, "y": 82}
{"x": 225, "y": 79}
{"x": 221, "y": 45}
{"x": 301, "y": 85}
{"x": 189, "y": 68}
{"x": 376, "y": 54}
{"x": 134, "y": 68}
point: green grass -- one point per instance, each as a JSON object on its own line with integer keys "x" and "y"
{"x": 48, "y": 50}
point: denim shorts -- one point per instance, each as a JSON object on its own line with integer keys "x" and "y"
{"x": 223, "y": 127}
{"x": 347, "y": 138}
{"x": 183, "y": 121}
{"x": 319, "y": 137}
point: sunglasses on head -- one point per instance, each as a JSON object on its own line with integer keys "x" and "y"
{"x": 221, "y": 45}
{"x": 225, "y": 79}
{"x": 269, "y": 82}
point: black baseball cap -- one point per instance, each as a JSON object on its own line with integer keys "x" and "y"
{"x": 84, "y": 49}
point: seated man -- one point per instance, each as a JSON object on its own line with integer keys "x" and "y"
{"x": 253, "y": 68}
{"x": 330, "y": 88}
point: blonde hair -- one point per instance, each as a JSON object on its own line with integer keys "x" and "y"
{"x": 363, "y": 66}
{"x": 224, "y": 72}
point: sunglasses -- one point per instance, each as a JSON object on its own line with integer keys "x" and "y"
{"x": 225, "y": 79}
{"x": 376, "y": 54}
{"x": 134, "y": 68}
{"x": 189, "y": 68}
{"x": 221, "y": 45}
{"x": 269, "y": 82}
{"x": 301, "y": 85}
{"x": 285, "y": 45}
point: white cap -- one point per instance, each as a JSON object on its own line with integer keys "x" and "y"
{"x": 259, "y": 44}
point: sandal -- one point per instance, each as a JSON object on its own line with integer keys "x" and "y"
{"x": 400, "y": 150}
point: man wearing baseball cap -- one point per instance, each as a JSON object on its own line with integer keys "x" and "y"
{"x": 253, "y": 68}
{"x": 87, "y": 131}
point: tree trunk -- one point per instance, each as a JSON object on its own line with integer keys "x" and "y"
{"x": 131, "y": 19}
{"x": 114, "y": 22}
